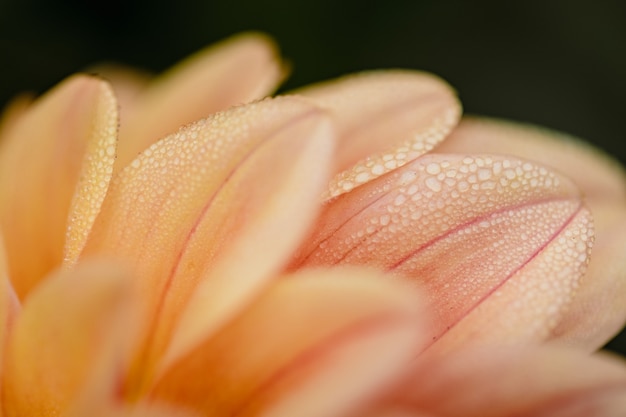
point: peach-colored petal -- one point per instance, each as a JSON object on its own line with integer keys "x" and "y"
{"x": 600, "y": 307}
{"x": 72, "y": 333}
{"x": 537, "y": 382}
{"x": 205, "y": 202}
{"x": 94, "y": 176}
{"x": 65, "y": 140}
{"x": 386, "y": 119}
{"x": 15, "y": 109}
{"x": 98, "y": 406}
{"x": 238, "y": 70}
{"x": 9, "y": 308}
{"x": 480, "y": 233}
{"x": 128, "y": 83}
{"x": 313, "y": 344}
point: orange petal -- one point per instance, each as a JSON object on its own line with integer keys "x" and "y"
{"x": 64, "y": 144}
{"x": 600, "y": 307}
{"x": 537, "y": 382}
{"x": 111, "y": 406}
{"x": 9, "y": 308}
{"x": 73, "y": 331}
{"x": 386, "y": 119}
{"x": 480, "y": 233}
{"x": 314, "y": 344}
{"x": 233, "y": 72}
{"x": 203, "y": 203}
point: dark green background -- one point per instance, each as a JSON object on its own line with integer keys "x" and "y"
{"x": 557, "y": 63}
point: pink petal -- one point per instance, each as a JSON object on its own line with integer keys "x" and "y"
{"x": 480, "y": 233}
{"x": 600, "y": 307}
{"x": 537, "y": 382}
{"x": 314, "y": 344}
{"x": 386, "y": 119}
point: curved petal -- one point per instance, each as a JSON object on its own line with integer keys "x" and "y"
{"x": 127, "y": 82}
{"x": 238, "y": 70}
{"x": 64, "y": 143}
{"x": 538, "y": 382}
{"x": 314, "y": 344}
{"x": 480, "y": 233}
{"x": 201, "y": 205}
{"x": 74, "y": 331}
{"x": 600, "y": 307}
{"x": 386, "y": 119}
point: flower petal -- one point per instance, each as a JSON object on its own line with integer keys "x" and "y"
{"x": 600, "y": 307}
{"x": 538, "y": 382}
{"x": 16, "y": 107}
{"x": 314, "y": 344}
{"x": 201, "y": 205}
{"x": 73, "y": 331}
{"x": 480, "y": 233}
{"x": 386, "y": 119}
{"x": 9, "y": 308}
{"x": 97, "y": 406}
{"x": 127, "y": 82}
{"x": 233, "y": 72}
{"x": 64, "y": 141}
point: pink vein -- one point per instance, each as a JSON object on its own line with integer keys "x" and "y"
{"x": 432, "y": 241}
{"x": 567, "y": 222}
{"x": 343, "y": 223}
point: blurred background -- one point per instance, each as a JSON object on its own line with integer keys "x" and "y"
{"x": 558, "y": 63}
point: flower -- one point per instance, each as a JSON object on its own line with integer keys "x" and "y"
{"x": 198, "y": 272}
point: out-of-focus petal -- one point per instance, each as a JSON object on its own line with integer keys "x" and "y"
{"x": 236, "y": 71}
{"x": 128, "y": 83}
{"x": 72, "y": 333}
{"x": 13, "y": 111}
{"x": 203, "y": 204}
{"x": 64, "y": 144}
{"x": 9, "y": 307}
{"x": 98, "y": 406}
{"x": 386, "y": 119}
{"x": 600, "y": 307}
{"x": 537, "y": 382}
{"x": 314, "y": 344}
{"x": 480, "y": 233}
